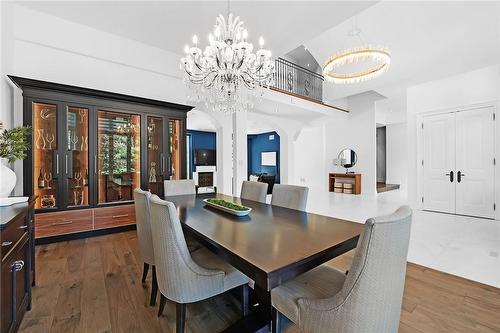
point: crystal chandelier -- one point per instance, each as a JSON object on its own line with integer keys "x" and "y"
{"x": 227, "y": 71}
{"x": 375, "y": 59}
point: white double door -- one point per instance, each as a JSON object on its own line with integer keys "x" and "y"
{"x": 458, "y": 164}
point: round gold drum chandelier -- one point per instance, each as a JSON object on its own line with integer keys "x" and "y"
{"x": 376, "y": 60}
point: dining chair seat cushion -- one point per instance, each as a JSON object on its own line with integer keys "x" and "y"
{"x": 321, "y": 282}
{"x": 232, "y": 277}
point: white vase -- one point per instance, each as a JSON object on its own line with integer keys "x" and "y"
{"x": 7, "y": 179}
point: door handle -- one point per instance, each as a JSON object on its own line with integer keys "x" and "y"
{"x": 66, "y": 163}
{"x": 17, "y": 265}
{"x": 7, "y": 243}
{"x": 57, "y": 164}
{"x": 459, "y": 176}
{"x": 450, "y": 174}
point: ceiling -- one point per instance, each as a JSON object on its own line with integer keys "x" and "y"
{"x": 428, "y": 40}
{"x": 169, "y": 25}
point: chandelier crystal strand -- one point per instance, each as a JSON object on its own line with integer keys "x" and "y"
{"x": 228, "y": 72}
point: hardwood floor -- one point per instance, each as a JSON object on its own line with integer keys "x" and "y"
{"x": 94, "y": 285}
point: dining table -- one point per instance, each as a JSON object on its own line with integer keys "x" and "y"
{"x": 271, "y": 245}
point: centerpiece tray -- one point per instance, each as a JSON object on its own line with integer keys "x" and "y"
{"x": 228, "y": 207}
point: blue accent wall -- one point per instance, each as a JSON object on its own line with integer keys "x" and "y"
{"x": 259, "y": 143}
{"x": 199, "y": 140}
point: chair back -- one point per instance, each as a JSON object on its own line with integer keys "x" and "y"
{"x": 179, "y": 187}
{"x": 290, "y": 196}
{"x": 180, "y": 279}
{"x": 143, "y": 222}
{"x": 372, "y": 294}
{"x": 255, "y": 191}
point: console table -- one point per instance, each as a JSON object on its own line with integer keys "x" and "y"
{"x": 355, "y": 178}
{"x": 18, "y": 263}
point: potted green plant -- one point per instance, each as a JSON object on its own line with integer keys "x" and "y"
{"x": 13, "y": 147}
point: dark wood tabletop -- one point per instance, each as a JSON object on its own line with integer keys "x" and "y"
{"x": 272, "y": 244}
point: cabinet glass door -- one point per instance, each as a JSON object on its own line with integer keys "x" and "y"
{"x": 174, "y": 130}
{"x": 118, "y": 155}
{"x": 46, "y": 156}
{"x": 156, "y": 160}
{"x": 76, "y": 163}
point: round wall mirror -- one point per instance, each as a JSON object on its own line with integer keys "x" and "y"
{"x": 347, "y": 158}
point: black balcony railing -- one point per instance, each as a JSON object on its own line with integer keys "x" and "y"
{"x": 297, "y": 80}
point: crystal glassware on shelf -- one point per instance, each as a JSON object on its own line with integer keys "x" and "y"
{"x": 38, "y": 144}
{"x": 50, "y": 138}
{"x": 48, "y": 178}
{"x": 78, "y": 177}
{"x": 84, "y": 145}
{"x": 48, "y": 201}
{"x": 82, "y": 114}
{"x": 74, "y": 140}
{"x": 45, "y": 113}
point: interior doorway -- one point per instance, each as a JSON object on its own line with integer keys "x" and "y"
{"x": 459, "y": 162}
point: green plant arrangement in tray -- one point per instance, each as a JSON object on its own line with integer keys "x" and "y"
{"x": 228, "y": 207}
{"x": 227, "y": 204}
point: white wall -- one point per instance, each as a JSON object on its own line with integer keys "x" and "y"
{"x": 309, "y": 160}
{"x": 61, "y": 51}
{"x": 318, "y": 145}
{"x": 396, "y": 155}
{"x": 466, "y": 89}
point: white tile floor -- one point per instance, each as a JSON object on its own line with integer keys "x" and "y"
{"x": 464, "y": 246}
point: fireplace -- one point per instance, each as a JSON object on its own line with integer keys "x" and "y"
{"x": 205, "y": 179}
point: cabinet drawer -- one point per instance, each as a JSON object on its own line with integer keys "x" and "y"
{"x": 60, "y": 223}
{"x": 115, "y": 216}
{"x": 13, "y": 233}
{"x": 15, "y": 286}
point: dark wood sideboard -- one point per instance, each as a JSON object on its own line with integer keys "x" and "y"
{"x": 17, "y": 273}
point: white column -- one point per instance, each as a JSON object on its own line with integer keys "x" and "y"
{"x": 224, "y": 154}
{"x": 240, "y": 156}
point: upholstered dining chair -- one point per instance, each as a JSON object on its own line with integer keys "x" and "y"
{"x": 179, "y": 187}
{"x": 290, "y": 196}
{"x": 255, "y": 191}
{"x": 143, "y": 222}
{"x": 366, "y": 300}
{"x": 182, "y": 187}
{"x": 185, "y": 277}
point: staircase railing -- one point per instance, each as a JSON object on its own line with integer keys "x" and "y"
{"x": 297, "y": 80}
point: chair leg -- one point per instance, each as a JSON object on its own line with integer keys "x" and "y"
{"x": 154, "y": 288}
{"x": 180, "y": 317}
{"x": 244, "y": 299}
{"x": 276, "y": 321}
{"x": 145, "y": 272}
{"x": 163, "y": 301}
